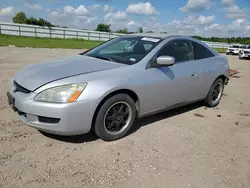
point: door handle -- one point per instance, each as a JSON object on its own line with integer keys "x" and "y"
{"x": 193, "y": 74}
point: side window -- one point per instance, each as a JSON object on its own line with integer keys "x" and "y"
{"x": 181, "y": 50}
{"x": 201, "y": 52}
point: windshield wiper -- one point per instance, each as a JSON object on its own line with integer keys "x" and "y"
{"x": 102, "y": 57}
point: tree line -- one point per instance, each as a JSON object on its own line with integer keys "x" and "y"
{"x": 239, "y": 40}
{"x": 106, "y": 28}
{"x": 21, "y": 18}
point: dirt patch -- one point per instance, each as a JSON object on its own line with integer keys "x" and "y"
{"x": 171, "y": 149}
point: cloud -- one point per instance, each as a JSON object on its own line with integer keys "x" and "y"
{"x": 234, "y": 12}
{"x": 206, "y": 20}
{"x": 119, "y": 20}
{"x": 191, "y": 25}
{"x": 32, "y": 1}
{"x": 108, "y": 8}
{"x": 77, "y": 17}
{"x": 227, "y": 2}
{"x": 112, "y": 18}
{"x": 196, "y": 5}
{"x": 6, "y": 14}
{"x": 200, "y": 25}
{"x": 81, "y": 10}
{"x": 141, "y": 9}
{"x": 95, "y": 7}
{"x": 201, "y": 20}
{"x": 132, "y": 24}
{"x": 216, "y": 30}
{"x": 35, "y": 7}
{"x": 248, "y": 28}
{"x": 215, "y": 27}
{"x": 239, "y": 27}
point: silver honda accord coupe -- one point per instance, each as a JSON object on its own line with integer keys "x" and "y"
{"x": 106, "y": 88}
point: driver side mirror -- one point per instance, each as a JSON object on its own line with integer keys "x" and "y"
{"x": 165, "y": 60}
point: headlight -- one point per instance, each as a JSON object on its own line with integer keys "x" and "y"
{"x": 61, "y": 94}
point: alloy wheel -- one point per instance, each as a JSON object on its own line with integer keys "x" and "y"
{"x": 217, "y": 92}
{"x": 117, "y": 118}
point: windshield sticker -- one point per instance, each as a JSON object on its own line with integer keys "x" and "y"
{"x": 150, "y": 39}
{"x": 132, "y": 59}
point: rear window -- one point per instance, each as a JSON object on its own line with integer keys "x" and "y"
{"x": 201, "y": 52}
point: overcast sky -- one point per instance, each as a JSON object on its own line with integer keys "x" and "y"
{"x": 188, "y": 17}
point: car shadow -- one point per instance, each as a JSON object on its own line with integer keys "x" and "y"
{"x": 164, "y": 115}
{"x": 89, "y": 137}
{"x": 78, "y": 139}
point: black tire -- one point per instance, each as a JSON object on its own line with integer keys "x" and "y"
{"x": 100, "y": 127}
{"x": 209, "y": 101}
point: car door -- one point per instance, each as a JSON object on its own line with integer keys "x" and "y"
{"x": 179, "y": 83}
{"x": 208, "y": 64}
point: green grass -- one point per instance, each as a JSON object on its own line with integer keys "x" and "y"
{"x": 37, "y": 42}
{"x": 221, "y": 50}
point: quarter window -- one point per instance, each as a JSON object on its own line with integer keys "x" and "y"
{"x": 181, "y": 50}
{"x": 201, "y": 52}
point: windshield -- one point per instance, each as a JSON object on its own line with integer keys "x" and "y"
{"x": 127, "y": 50}
{"x": 234, "y": 46}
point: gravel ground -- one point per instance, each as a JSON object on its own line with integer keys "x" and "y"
{"x": 192, "y": 146}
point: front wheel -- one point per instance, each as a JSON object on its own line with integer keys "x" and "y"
{"x": 215, "y": 93}
{"x": 115, "y": 117}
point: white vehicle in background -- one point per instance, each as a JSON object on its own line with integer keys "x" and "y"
{"x": 244, "y": 53}
{"x": 235, "y": 49}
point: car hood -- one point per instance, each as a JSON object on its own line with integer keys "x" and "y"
{"x": 33, "y": 76}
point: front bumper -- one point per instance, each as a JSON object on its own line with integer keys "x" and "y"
{"x": 245, "y": 55}
{"x": 61, "y": 119}
{"x": 232, "y": 52}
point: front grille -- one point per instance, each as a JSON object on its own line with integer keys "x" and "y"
{"x": 48, "y": 119}
{"x": 19, "y": 88}
{"x": 246, "y": 52}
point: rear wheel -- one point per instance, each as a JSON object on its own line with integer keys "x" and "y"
{"x": 115, "y": 117}
{"x": 215, "y": 93}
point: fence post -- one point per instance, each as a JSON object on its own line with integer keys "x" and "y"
{"x": 64, "y": 34}
{"x": 35, "y": 32}
{"x": 77, "y": 34}
{"x": 0, "y": 30}
{"x": 88, "y": 35}
{"x": 19, "y": 30}
{"x": 99, "y": 36}
{"x": 50, "y": 32}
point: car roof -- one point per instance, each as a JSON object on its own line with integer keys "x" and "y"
{"x": 155, "y": 35}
